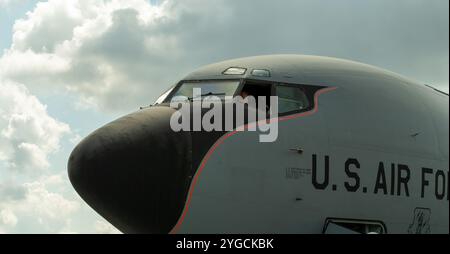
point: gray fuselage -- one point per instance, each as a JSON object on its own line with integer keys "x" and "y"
{"x": 372, "y": 148}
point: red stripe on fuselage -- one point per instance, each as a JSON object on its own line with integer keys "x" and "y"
{"x": 226, "y": 136}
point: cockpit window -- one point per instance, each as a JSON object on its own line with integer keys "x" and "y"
{"x": 208, "y": 88}
{"x": 291, "y": 99}
{"x": 163, "y": 97}
{"x": 235, "y": 71}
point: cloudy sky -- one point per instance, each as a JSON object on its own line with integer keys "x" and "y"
{"x": 68, "y": 67}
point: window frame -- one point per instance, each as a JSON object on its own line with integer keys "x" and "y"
{"x": 235, "y": 67}
{"x": 167, "y": 92}
{"x": 307, "y": 92}
{"x": 179, "y": 84}
{"x": 355, "y": 221}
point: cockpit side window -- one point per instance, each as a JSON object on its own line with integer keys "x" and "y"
{"x": 257, "y": 89}
{"x": 163, "y": 97}
{"x": 216, "y": 88}
{"x": 291, "y": 99}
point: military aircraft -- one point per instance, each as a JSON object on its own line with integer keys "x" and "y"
{"x": 359, "y": 150}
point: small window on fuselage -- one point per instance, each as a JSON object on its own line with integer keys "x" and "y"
{"x": 351, "y": 226}
{"x": 291, "y": 99}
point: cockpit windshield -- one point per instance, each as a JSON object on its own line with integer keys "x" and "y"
{"x": 208, "y": 88}
{"x": 163, "y": 97}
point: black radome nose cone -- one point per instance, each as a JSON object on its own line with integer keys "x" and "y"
{"x": 135, "y": 171}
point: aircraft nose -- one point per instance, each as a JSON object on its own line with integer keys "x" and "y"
{"x": 135, "y": 171}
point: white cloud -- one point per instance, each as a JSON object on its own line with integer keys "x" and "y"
{"x": 8, "y": 3}
{"x": 76, "y": 44}
{"x": 27, "y": 63}
{"x": 31, "y": 202}
{"x": 41, "y": 210}
{"x": 119, "y": 55}
{"x": 46, "y": 205}
{"x": 37, "y": 207}
{"x": 4, "y": 2}
{"x": 8, "y": 218}
{"x": 103, "y": 227}
{"x": 10, "y": 192}
{"x": 28, "y": 135}
{"x": 28, "y": 156}
{"x": 76, "y": 138}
